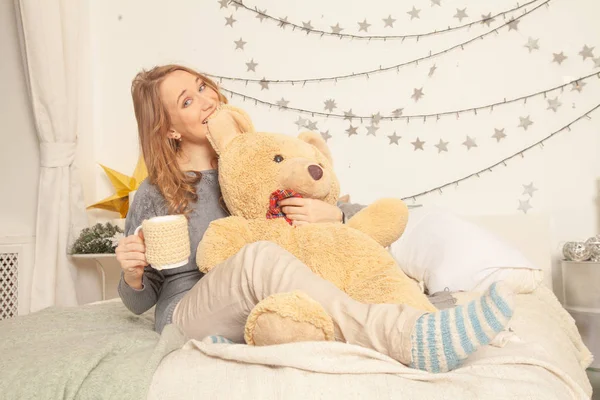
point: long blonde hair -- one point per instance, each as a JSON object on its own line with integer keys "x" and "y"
{"x": 159, "y": 151}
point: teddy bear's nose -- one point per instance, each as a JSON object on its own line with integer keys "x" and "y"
{"x": 315, "y": 171}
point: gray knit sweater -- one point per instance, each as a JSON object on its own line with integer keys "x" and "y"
{"x": 166, "y": 287}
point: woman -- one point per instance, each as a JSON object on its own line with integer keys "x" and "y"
{"x": 172, "y": 104}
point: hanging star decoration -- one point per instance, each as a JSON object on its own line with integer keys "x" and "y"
{"x": 417, "y": 94}
{"x": 487, "y": 19}
{"x": 532, "y": 44}
{"x": 529, "y": 189}
{"x": 559, "y": 57}
{"x": 469, "y": 142}
{"x": 330, "y": 105}
{"x": 460, "y": 14}
{"x": 239, "y": 44}
{"x": 123, "y": 184}
{"x": 418, "y": 144}
{"x": 389, "y": 21}
{"x": 525, "y": 122}
{"x": 587, "y": 52}
{"x": 372, "y": 130}
{"x": 499, "y": 134}
{"x": 394, "y": 138}
{"x": 553, "y": 104}
{"x": 578, "y": 86}
{"x": 230, "y": 21}
{"x": 414, "y": 13}
{"x": 364, "y": 26}
{"x": 524, "y": 205}
{"x": 352, "y": 130}
{"x": 326, "y": 136}
{"x": 442, "y": 146}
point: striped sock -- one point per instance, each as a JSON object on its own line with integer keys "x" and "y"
{"x": 441, "y": 340}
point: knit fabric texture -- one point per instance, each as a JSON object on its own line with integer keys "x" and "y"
{"x": 167, "y": 241}
{"x": 442, "y": 340}
{"x": 274, "y": 210}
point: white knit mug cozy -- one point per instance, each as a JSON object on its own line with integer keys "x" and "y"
{"x": 167, "y": 241}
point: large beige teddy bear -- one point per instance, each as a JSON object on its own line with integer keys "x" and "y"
{"x": 252, "y": 167}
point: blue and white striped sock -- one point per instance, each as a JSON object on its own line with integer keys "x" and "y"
{"x": 441, "y": 340}
{"x": 216, "y": 339}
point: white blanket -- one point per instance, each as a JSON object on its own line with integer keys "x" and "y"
{"x": 544, "y": 359}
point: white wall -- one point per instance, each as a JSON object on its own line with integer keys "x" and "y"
{"x": 566, "y": 171}
{"x": 127, "y": 36}
{"x": 19, "y": 156}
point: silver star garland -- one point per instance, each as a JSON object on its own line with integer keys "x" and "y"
{"x": 376, "y": 118}
{"x": 261, "y": 15}
{"x": 578, "y": 86}
{"x": 442, "y": 146}
{"x": 529, "y": 189}
{"x": 525, "y": 122}
{"x": 230, "y": 21}
{"x": 307, "y": 25}
{"x": 435, "y": 3}
{"x": 364, "y": 26}
{"x": 336, "y": 28}
{"x": 372, "y": 130}
{"x": 513, "y": 25}
{"x": 553, "y": 104}
{"x": 223, "y": 3}
{"x": 389, "y": 21}
{"x": 418, "y": 144}
{"x": 239, "y": 44}
{"x": 460, "y": 14}
{"x": 417, "y": 94}
{"x": 524, "y": 205}
{"x": 414, "y": 13}
{"x": 348, "y": 115}
{"x": 330, "y": 105}
{"x": 532, "y": 44}
{"x": 326, "y": 136}
{"x": 283, "y": 102}
{"x": 300, "y": 122}
{"x": 587, "y": 52}
{"x": 352, "y": 130}
{"x": 394, "y": 138}
{"x": 499, "y": 134}
{"x": 432, "y": 70}
{"x": 559, "y": 57}
{"x": 312, "y": 125}
{"x": 470, "y": 142}
{"x": 263, "y": 85}
{"x": 487, "y": 19}
{"x": 251, "y": 66}
{"x": 397, "y": 113}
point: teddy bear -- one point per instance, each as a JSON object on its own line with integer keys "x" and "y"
{"x": 256, "y": 169}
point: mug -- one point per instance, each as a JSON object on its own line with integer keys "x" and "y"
{"x": 167, "y": 241}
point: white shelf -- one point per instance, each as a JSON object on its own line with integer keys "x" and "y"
{"x": 94, "y": 255}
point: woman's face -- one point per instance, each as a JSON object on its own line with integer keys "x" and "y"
{"x": 189, "y": 103}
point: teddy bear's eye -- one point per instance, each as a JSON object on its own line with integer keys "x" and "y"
{"x": 278, "y": 158}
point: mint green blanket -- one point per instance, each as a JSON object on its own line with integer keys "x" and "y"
{"x": 89, "y": 352}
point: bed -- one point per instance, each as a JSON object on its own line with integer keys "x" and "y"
{"x": 103, "y": 351}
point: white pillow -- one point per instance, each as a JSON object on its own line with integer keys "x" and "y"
{"x": 445, "y": 251}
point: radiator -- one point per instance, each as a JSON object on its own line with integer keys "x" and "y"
{"x": 9, "y": 283}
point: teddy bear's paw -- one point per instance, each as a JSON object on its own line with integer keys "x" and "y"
{"x": 287, "y": 318}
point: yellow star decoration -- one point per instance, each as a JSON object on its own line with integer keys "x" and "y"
{"x": 123, "y": 184}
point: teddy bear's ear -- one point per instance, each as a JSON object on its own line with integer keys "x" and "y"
{"x": 316, "y": 140}
{"x": 225, "y": 124}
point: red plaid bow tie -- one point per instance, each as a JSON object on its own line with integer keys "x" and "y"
{"x": 274, "y": 210}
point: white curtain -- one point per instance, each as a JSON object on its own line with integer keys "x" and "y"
{"x": 51, "y": 42}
